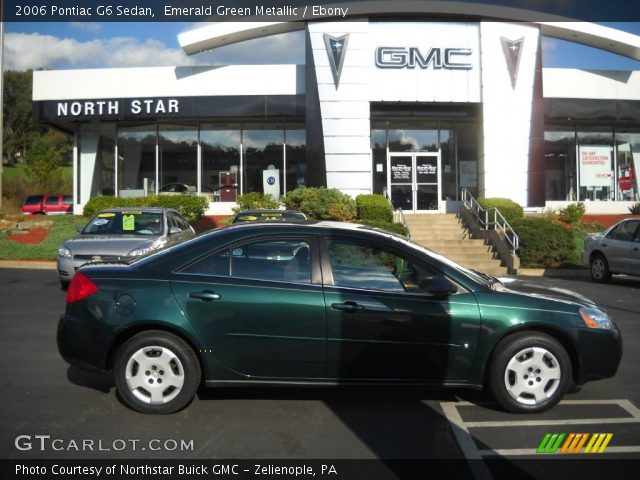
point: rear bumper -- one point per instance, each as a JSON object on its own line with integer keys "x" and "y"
{"x": 81, "y": 346}
{"x": 600, "y": 354}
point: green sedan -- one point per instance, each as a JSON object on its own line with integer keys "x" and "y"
{"x": 327, "y": 303}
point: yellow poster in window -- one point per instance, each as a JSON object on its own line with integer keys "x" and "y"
{"x": 128, "y": 223}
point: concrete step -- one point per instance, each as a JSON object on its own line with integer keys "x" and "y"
{"x": 468, "y": 257}
{"x": 440, "y": 236}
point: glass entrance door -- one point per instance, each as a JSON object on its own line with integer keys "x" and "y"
{"x": 414, "y": 181}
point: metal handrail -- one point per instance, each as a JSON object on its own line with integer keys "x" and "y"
{"x": 490, "y": 219}
{"x": 398, "y": 214}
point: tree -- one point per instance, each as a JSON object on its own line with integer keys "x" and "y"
{"x": 20, "y": 129}
{"x": 44, "y": 160}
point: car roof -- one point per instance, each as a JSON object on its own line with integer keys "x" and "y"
{"x": 267, "y": 210}
{"x": 138, "y": 209}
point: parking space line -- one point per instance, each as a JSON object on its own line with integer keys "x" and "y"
{"x": 533, "y": 423}
{"x": 511, "y": 452}
{"x": 472, "y": 452}
{"x": 465, "y": 441}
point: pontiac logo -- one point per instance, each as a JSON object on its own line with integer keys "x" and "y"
{"x": 336, "y": 50}
{"x": 512, "y": 50}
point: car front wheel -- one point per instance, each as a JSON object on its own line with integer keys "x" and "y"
{"x": 599, "y": 269}
{"x": 529, "y": 372}
{"x": 156, "y": 372}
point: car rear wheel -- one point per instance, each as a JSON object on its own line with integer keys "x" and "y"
{"x": 64, "y": 285}
{"x": 529, "y": 372}
{"x": 600, "y": 269}
{"x": 156, "y": 372}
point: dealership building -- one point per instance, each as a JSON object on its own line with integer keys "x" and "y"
{"x": 420, "y": 107}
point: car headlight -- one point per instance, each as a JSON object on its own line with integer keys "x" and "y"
{"x": 596, "y": 318}
{"x": 64, "y": 252}
{"x": 157, "y": 244}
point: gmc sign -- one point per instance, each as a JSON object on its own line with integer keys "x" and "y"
{"x": 412, "y": 57}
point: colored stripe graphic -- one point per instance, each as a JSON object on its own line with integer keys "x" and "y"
{"x": 574, "y": 443}
{"x": 550, "y": 443}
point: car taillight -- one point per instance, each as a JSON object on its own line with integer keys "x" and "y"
{"x": 81, "y": 287}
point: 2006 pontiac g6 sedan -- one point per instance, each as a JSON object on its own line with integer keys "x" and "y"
{"x": 327, "y": 303}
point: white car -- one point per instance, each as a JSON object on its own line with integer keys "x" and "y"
{"x": 616, "y": 250}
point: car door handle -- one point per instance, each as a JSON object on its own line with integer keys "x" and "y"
{"x": 347, "y": 307}
{"x": 206, "y": 296}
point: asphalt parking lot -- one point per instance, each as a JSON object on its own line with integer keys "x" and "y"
{"x": 42, "y": 395}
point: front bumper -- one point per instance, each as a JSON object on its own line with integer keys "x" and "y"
{"x": 600, "y": 353}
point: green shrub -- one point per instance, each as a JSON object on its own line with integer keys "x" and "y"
{"x": 190, "y": 207}
{"x": 572, "y": 213}
{"x": 374, "y": 208}
{"x": 254, "y": 201}
{"x": 397, "y": 228}
{"x": 510, "y": 210}
{"x": 322, "y": 203}
{"x": 635, "y": 208}
{"x": 544, "y": 244}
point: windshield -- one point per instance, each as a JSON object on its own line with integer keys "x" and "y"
{"x": 125, "y": 223}
{"x": 33, "y": 200}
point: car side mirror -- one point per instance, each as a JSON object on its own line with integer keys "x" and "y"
{"x": 174, "y": 230}
{"x": 441, "y": 286}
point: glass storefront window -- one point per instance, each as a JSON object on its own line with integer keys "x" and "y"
{"x": 136, "y": 160}
{"x": 595, "y": 159}
{"x": 628, "y": 165}
{"x": 263, "y": 152}
{"x": 413, "y": 137}
{"x": 468, "y": 153}
{"x": 220, "y": 150}
{"x": 178, "y": 158}
{"x": 560, "y": 164}
{"x": 448, "y": 162}
{"x": 379, "y": 154}
{"x": 296, "y": 141}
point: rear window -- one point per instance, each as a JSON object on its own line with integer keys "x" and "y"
{"x": 33, "y": 200}
{"x": 125, "y": 223}
{"x": 67, "y": 200}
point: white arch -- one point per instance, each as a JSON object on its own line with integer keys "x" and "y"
{"x": 216, "y": 35}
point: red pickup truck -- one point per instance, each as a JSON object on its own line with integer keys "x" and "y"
{"x": 56, "y": 204}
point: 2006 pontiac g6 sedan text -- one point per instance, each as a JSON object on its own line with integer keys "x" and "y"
{"x": 327, "y": 303}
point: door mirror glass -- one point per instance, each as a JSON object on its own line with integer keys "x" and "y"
{"x": 441, "y": 286}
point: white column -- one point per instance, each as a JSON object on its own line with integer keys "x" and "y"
{"x": 506, "y": 110}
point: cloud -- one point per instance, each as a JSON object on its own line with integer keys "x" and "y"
{"x": 549, "y": 51}
{"x": 24, "y": 51}
{"x": 86, "y": 26}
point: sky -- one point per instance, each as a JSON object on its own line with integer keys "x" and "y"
{"x": 73, "y": 45}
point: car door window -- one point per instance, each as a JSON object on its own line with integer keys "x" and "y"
{"x": 52, "y": 201}
{"x": 372, "y": 267}
{"x": 625, "y": 231}
{"x": 270, "y": 260}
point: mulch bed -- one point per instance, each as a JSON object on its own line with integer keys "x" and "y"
{"x": 33, "y": 236}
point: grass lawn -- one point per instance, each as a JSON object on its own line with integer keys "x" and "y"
{"x": 63, "y": 228}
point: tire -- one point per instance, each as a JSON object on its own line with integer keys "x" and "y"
{"x": 529, "y": 372}
{"x": 599, "y": 269}
{"x": 149, "y": 359}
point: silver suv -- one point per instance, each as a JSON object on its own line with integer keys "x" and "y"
{"x": 616, "y": 250}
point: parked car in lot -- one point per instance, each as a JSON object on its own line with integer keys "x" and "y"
{"x": 268, "y": 216}
{"x": 616, "y": 250}
{"x": 177, "y": 189}
{"x": 55, "y": 204}
{"x": 121, "y": 233}
{"x": 326, "y": 303}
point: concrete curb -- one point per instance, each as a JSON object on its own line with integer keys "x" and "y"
{"x": 29, "y": 264}
{"x": 554, "y": 272}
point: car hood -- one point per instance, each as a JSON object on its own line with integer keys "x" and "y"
{"x": 105, "y": 245}
{"x": 545, "y": 292}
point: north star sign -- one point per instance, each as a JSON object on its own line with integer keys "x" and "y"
{"x": 412, "y": 57}
{"x": 90, "y": 108}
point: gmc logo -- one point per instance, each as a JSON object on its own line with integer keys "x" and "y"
{"x": 412, "y": 57}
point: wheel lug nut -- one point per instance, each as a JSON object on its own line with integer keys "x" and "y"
{"x": 151, "y": 380}
{"x": 154, "y": 368}
{"x": 530, "y": 383}
{"x": 538, "y": 379}
{"x": 147, "y": 373}
{"x": 161, "y": 372}
{"x": 159, "y": 380}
